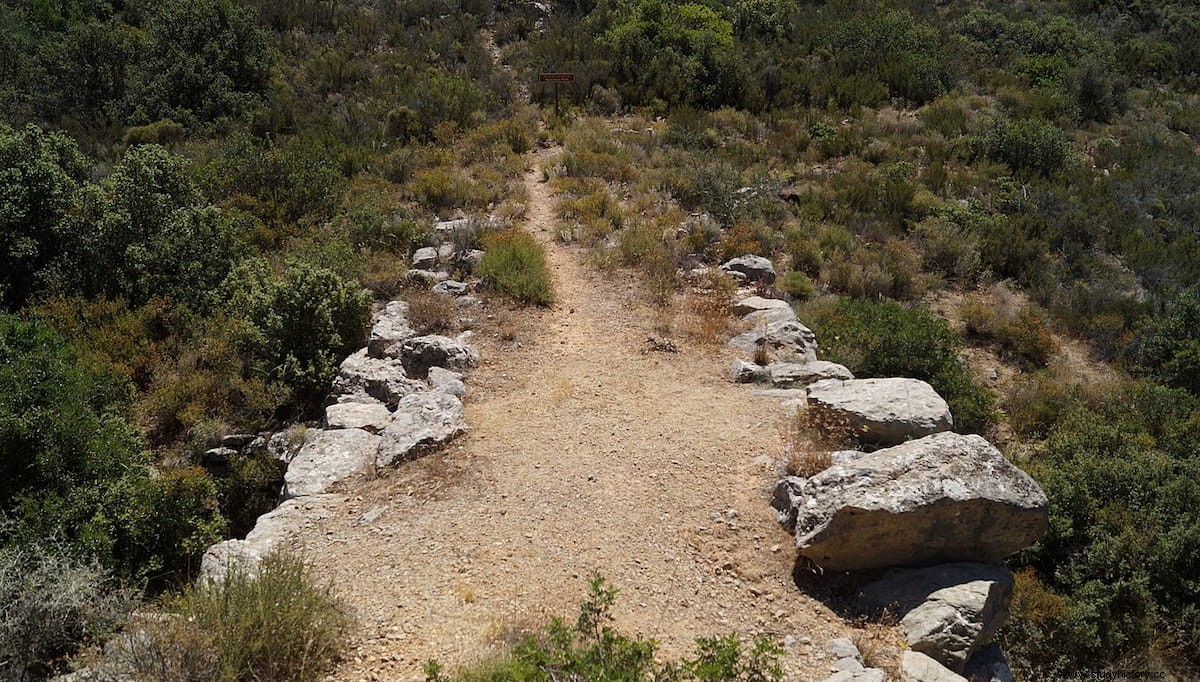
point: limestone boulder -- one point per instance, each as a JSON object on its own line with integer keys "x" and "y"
{"x": 942, "y": 498}
{"x": 444, "y": 380}
{"x": 328, "y": 457}
{"x": 949, "y": 611}
{"x": 988, "y": 665}
{"x": 272, "y": 531}
{"x": 382, "y": 379}
{"x": 917, "y": 667}
{"x": 368, "y": 416}
{"x": 754, "y": 304}
{"x": 879, "y": 412}
{"x": 425, "y": 258}
{"x": 753, "y": 268}
{"x": 451, "y": 288}
{"x": 421, "y": 420}
{"x": 785, "y": 340}
{"x": 742, "y": 372}
{"x": 390, "y": 328}
{"x": 426, "y": 277}
{"x": 799, "y": 374}
{"x": 420, "y": 353}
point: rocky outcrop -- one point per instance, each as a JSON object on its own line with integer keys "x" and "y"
{"x": 988, "y": 665}
{"x": 949, "y": 611}
{"x": 742, "y": 372}
{"x": 879, "y": 412}
{"x": 425, "y": 258}
{"x": 391, "y": 328}
{"x": 421, "y": 420}
{"x": 420, "y": 353}
{"x": 945, "y": 497}
{"x": 368, "y": 416}
{"x": 273, "y": 530}
{"x": 451, "y": 288}
{"x": 751, "y": 268}
{"x": 328, "y": 457}
{"x": 381, "y": 379}
{"x": 799, "y": 374}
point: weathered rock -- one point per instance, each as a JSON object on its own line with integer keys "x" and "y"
{"x": 858, "y": 674}
{"x": 427, "y": 277}
{"x": 284, "y": 445}
{"x": 742, "y": 372}
{"x": 792, "y": 374}
{"x": 878, "y": 411}
{"x": 468, "y": 260}
{"x": 237, "y": 441}
{"x": 227, "y": 556}
{"x": 943, "y": 498}
{"x": 988, "y": 665}
{"x": 421, "y": 420}
{"x": 373, "y": 416}
{"x": 917, "y": 667}
{"x": 446, "y": 381}
{"x": 843, "y": 647}
{"x": 445, "y": 252}
{"x": 273, "y": 530}
{"x": 449, "y": 229}
{"x": 450, "y": 288}
{"x": 392, "y": 327}
{"x": 784, "y": 339}
{"x": 328, "y": 457}
{"x": 950, "y": 611}
{"x": 218, "y": 456}
{"x": 420, "y": 353}
{"x": 425, "y": 258}
{"x": 754, "y": 268}
{"x": 786, "y": 500}
{"x": 383, "y": 379}
{"x": 755, "y": 304}
{"x": 762, "y": 318}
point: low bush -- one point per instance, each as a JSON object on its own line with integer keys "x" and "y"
{"x": 277, "y": 625}
{"x": 514, "y": 265}
{"x": 886, "y": 339}
{"x": 1021, "y": 332}
{"x": 797, "y": 285}
{"x": 590, "y": 649}
{"x": 431, "y": 313}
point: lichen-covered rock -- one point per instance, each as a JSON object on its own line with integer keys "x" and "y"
{"x": 942, "y": 498}
{"x": 382, "y": 379}
{"x": 786, "y": 340}
{"x": 328, "y": 457}
{"x": 878, "y": 412}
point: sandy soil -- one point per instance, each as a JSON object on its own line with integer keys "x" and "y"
{"x": 587, "y": 453}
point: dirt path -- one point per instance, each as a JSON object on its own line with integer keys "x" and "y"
{"x": 586, "y": 453}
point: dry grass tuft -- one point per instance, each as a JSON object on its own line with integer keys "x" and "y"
{"x": 708, "y": 309}
{"x": 432, "y": 313}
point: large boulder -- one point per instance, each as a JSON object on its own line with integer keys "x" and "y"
{"x": 420, "y": 353}
{"x": 793, "y": 374}
{"x": 328, "y": 457}
{"x": 949, "y": 611}
{"x": 421, "y": 420}
{"x": 390, "y": 328}
{"x": 383, "y": 379}
{"x": 786, "y": 340}
{"x": 753, "y": 304}
{"x": 754, "y": 268}
{"x": 878, "y": 412}
{"x": 942, "y": 498}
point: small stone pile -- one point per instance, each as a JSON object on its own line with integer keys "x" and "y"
{"x": 390, "y": 401}
{"x": 433, "y": 265}
{"x": 938, "y": 511}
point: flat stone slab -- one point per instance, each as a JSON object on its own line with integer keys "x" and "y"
{"x": 328, "y": 457}
{"x": 753, "y": 304}
{"x": 879, "y": 412}
{"x": 368, "y": 416}
{"x": 801, "y": 374}
{"x": 421, "y": 420}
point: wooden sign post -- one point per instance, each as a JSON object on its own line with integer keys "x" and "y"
{"x": 557, "y": 79}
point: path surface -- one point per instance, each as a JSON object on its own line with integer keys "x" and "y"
{"x": 586, "y": 453}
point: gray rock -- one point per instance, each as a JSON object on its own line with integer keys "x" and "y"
{"x": 942, "y": 498}
{"x": 373, "y": 416}
{"x": 425, "y": 258}
{"x": 449, "y": 229}
{"x": 878, "y": 411}
{"x": 988, "y": 665}
{"x": 227, "y": 556}
{"x": 420, "y": 353}
{"x": 949, "y": 611}
{"x": 284, "y": 445}
{"x": 445, "y": 252}
{"x": 843, "y": 647}
{"x": 468, "y": 260}
{"x": 237, "y": 441}
{"x": 450, "y": 288}
{"x": 383, "y": 379}
{"x": 787, "y": 498}
{"x": 859, "y": 674}
{"x": 421, "y": 420}
{"x": 446, "y": 381}
{"x": 273, "y": 530}
{"x": 427, "y": 277}
{"x": 917, "y": 667}
{"x": 784, "y": 340}
{"x": 328, "y": 457}
{"x": 755, "y": 304}
{"x": 753, "y": 268}
{"x": 392, "y": 327}
{"x": 762, "y": 318}
{"x": 793, "y": 374}
{"x": 742, "y": 372}
{"x": 218, "y": 456}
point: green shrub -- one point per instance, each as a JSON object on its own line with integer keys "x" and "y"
{"x": 277, "y": 625}
{"x": 885, "y": 339}
{"x": 1028, "y": 146}
{"x": 590, "y": 649}
{"x": 1021, "y": 332}
{"x": 53, "y": 603}
{"x": 514, "y": 265}
{"x": 797, "y": 285}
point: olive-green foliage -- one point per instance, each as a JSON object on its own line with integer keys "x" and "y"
{"x": 797, "y": 285}
{"x": 71, "y": 466}
{"x": 280, "y": 624}
{"x": 886, "y": 339}
{"x": 891, "y": 48}
{"x": 590, "y": 649}
{"x": 1169, "y": 347}
{"x": 41, "y": 173}
{"x": 54, "y": 601}
{"x": 1120, "y": 553}
{"x": 298, "y": 325}
{"x": 1029, "y": 146}
{"x": 514, "y": 265}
